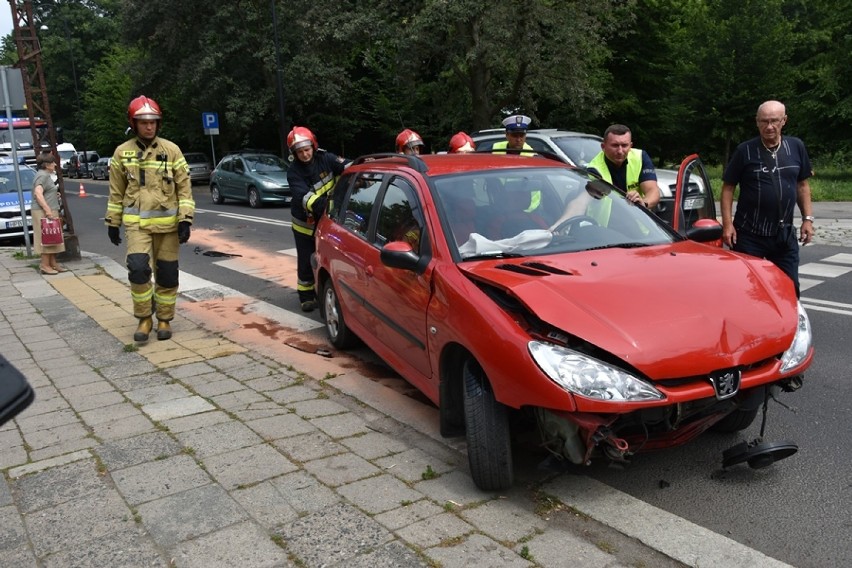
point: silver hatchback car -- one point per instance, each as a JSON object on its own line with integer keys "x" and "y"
{"x": 199, "y": 167}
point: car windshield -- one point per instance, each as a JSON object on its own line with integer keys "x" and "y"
{"x": 266, "y": 164}
{"x": 580, "y": 149}
{"x": 8, "y": 183}
{"x": 541, "y": 211}
{"x": 195, "y": 158}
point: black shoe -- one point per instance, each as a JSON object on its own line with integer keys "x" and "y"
{"x": 164, "y": 330}
{"x": 309, "y": 305}
{"x": 143, "y": 329}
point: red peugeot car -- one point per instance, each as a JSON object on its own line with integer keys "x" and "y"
{"x": 456, "y": 271}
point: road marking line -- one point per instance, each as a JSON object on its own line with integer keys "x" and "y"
{"x": 825, "y": 270}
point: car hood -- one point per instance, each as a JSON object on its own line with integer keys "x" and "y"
{"x": 9, "y": 202}
{"x": 670, "y": 311}
{"x": 276, "y": 177}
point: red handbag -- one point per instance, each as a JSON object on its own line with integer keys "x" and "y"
{"x": 51, "y": 231}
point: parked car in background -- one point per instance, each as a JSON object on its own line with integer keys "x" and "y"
{"x": 199, "y": 167}
{"x": 577, "y": 149}
{"x": 256, "y": 177}
{"x": 100, "y": 169}
{"x": 614, "y": 333}
{"x": 80, "y": 164}
{"x": 11, "y": 223}
{"x": 65, "y": 151}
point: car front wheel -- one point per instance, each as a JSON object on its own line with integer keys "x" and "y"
{"x": 216, "y": 196}
{"x": 489, "y": 444}
{"x": 338, "y": 333}
{"x": 254, "y": 198}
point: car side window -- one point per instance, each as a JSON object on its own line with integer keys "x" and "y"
{"x": 538, "y": 145}
{"x": 239, "y": 168}
{"x": 400, "y": 217}
{"x": 227, "y": 165}
{"x": 359, "y": 206}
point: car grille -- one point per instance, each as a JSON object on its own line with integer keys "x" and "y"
{"x": 12, "y": 214}
{"x": 703, "y": 378}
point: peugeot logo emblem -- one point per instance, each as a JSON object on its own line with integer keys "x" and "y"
{"x": 726, "y": 383}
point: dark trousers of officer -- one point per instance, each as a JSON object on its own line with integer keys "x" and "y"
{"x": 782, "y": 250}
{"x": 305, "y": 247}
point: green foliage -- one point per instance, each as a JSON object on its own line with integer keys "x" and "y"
{"x": 685, "y": 75}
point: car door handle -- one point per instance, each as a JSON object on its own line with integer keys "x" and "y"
{"x": 368, "y": 271}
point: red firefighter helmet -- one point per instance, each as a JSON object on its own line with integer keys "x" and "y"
{"x": 300, "y": 137}
{"x": 407, "y": 139}
{"x": 461, "y": 142}
{"x": 143, "y": 108}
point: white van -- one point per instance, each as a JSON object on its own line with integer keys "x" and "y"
{"x": 65, "y": 151}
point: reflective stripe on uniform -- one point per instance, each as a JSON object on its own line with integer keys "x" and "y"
{"x": 165, "y": 299}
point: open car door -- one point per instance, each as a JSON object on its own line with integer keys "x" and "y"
{"x": 694, "y": 214}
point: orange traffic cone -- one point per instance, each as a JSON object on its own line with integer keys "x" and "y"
{"x": 82, "y": 192}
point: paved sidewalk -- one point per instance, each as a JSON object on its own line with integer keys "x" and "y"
{"x": 216, "y": 449}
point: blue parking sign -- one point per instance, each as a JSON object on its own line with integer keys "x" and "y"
{"x": 210, "y": 120}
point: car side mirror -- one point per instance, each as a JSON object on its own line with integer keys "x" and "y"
{"x": 705, "y": 231}
{"x": 399, "y": 254}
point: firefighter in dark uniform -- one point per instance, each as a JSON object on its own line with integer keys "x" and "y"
{"x": 311, "y": 177}
{"x": 151, "y": 195}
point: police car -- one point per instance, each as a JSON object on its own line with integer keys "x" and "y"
{"x": 11, "y": 224}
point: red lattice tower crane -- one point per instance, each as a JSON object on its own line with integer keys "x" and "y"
{"x": 29, "y": 62}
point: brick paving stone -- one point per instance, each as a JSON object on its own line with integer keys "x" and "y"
{"x": 341, "y": 469}
{"x": 408, "y": 514}
{"x": 258, "y": 410}
{"x": 119, "y": 454}
{"x": 248, "y": 465}
{"x": 341, "y": 425}
{"x": 378, "y": 494}
{"x": 434, "y": 530}
{"x": 98, "y": 401}
{"x": 454, "y": 487}
{"x": 218, "y": 439}
{"x": 136, "y": 382}
{"x": 46, "y": 420}
{"x": 193, "y": 381}
{"x": 215, "y": 388}
{"x": 281, "y": 426}
{"x": 478, "y": 550}
{"x": 548, "y": 551}
{"x": 191, "y": 370}
{"x": 294, "y": 393}
{"x": 62, "y": 449}
{"x": 244, "y": 545}
{"x": 391, "y": 555}
{"x": 12, "y": 534}
{"x": 74, "y": 522}
{"x": 126, "y": 548}
{"x": 157, "y": 393}
{"x": 411, "y": 464}
{"x": 109, "y": 413}
{"x": 123, "y": 428}
{"x": 155, "y": 479}
{"x": 303, "y": 492}
{"x": 505, "y": 519}
{"x": 332, "y": 535}
{"x": 307, "y": 447}
{"x": 231, "y": 361}
{"x": 57, "y": 434}
{"x": 238, "y": 400}
{"x": 177, "y": 407}
{"x": 270, "y": 383}
{"x": 196, "y": 421}
{"x": 265, "y": 504}
{"x": 374, "y": 445}
{"x": 191, "y": 513}
{"x": 317, "y": 407}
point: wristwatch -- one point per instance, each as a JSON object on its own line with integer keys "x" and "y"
{"x": 808, "y": 218}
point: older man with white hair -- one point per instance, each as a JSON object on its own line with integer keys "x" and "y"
{"x": 772, "y": 171}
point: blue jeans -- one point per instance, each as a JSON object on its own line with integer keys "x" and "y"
{"x": 781, "y": 250}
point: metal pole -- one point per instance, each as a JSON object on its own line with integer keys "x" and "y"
{"x": 8, "y": 105}
{"x": 278, "y": 85}
{"x": 213, "y": 150}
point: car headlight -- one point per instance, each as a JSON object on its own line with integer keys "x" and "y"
{"x": 270, "y": 184}
{"x": 589, "y": 377}
{"x": 802, "y": 341}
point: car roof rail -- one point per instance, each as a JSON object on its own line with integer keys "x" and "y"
{"x": 414, "y": 161}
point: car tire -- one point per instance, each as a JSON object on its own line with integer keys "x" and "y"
{"x": 254, "y": 198}
{"x": 338, "y": 332}
{"x": 489, "y": 441}
{"x": 216, "y": 196}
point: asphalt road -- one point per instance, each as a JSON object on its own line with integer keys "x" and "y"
{"x": 797, "y": 510}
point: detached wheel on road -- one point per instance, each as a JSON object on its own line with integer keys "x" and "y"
{"x": 489, "y": 443}
{"x": 216, "y": 196}
{"x": 338, "y": 333}
{"x": 254, "y": 198}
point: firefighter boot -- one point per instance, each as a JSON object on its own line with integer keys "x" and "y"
{"x": 164, "y": 330}
{"x": 143, "y": 329}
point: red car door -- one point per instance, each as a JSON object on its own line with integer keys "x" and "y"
{"x": 694, "y": 213}
{"x": 398, "y": 299}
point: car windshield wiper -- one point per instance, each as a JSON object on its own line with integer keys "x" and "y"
{"x": 620, "y": 245}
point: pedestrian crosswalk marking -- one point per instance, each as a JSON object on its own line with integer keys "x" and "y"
{"x": 824, "y": 270}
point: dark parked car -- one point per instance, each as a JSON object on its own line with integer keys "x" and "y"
{"x": 199, "y": 167}
{"x": 100, "y": 169}
{"x": 614, "y": 332}
{"x": 253, "y": 176}
{"x": 80, "y": 164}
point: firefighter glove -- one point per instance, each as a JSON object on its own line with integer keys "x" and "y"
{"x": 183, "y": 231}
{"x": 114, "y": 235}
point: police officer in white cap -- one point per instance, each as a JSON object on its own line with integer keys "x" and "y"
{"x": 516, "y": 134}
